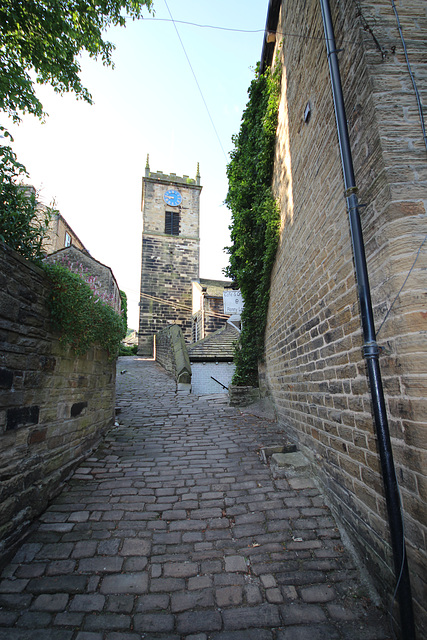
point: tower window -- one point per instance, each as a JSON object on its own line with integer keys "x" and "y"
{"x": 172, "y": 223}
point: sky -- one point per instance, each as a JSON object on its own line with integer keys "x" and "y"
{"x": 91, "y": 159}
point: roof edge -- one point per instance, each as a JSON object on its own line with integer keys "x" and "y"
{"x": 270, "y": 27}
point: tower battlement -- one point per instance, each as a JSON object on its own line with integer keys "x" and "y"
{"x": 171, "y": 177}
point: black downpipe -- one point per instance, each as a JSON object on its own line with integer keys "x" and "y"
{"x": 370, "y": 347}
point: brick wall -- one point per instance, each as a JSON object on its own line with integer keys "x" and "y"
{"x": 53, "y": 405}
{"x": 314, "y": 365}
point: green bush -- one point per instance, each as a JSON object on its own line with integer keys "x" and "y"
{"x": 82, "y": 319}
{"x": 126, "y": 350}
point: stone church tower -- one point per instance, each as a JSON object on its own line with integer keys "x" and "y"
{"x": 170, "y": 253}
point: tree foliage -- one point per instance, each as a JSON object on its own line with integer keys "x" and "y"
{"x": 46, "y": 37}
{"x": 255, "y": 218}
{"x": 23, "y": 223}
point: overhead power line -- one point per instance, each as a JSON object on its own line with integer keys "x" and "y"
{"x": 197, "y": 83}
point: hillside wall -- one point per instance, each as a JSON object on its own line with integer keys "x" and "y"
{"x": 53, "y": 405}
{"x": 314, "y": 365}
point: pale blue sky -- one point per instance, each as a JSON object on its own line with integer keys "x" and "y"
{"x": 91, "y": 158}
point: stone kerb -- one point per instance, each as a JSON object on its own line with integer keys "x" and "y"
{"x": 172, "y": 354}
{"x": 53, "y": 405}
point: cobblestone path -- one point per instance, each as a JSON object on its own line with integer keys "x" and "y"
{"x": 175, "y": 529}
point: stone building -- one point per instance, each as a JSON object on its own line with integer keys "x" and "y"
{"x": 59, "y": 234}
{"x": 208, "y": 307}
{"x": 170, "y": 254}
{"x": 211, "y": 359}
{"x": 314, "y": 367}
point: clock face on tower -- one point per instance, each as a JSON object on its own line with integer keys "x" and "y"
{"x": 172, "y": 197}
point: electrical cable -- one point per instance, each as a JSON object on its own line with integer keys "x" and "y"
{"x": 401, "y": 288}
{"x": 197, "y": 83}
{"x": 414, "y": 84}
{"x": 205, "y": 26}
{"x": 283, "y": 34}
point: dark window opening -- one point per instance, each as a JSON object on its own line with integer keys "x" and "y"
{"x": 172, "y": 223}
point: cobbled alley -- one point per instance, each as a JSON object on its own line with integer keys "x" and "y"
{"x": 175, "y": 528}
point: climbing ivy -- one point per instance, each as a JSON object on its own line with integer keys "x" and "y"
{"x": 255, "y": 218}
{"x": 79, "y": 315}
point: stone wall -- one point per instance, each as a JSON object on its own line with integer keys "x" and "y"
{"x": 172, "y": 354}
{"x": 54, "y": 406}
{"x": 314, "y": 365}
{"x": 168, "y": 266}
{"x": 103, "y": 275}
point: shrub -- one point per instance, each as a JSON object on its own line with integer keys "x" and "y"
{"x": 82, "y": 319}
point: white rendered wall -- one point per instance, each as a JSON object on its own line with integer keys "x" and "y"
{"x": 201, "y": 381}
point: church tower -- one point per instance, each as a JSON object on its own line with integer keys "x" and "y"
{"x": 170, "y": 253}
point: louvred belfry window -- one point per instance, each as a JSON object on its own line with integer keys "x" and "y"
{"x": 172, "y": 223}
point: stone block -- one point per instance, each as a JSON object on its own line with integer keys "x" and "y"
{"x": 136, "y": 583}
{"x": 292, "y": 463}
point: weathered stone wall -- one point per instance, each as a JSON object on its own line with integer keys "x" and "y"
{"x": 76, "y": 259}
{"x": 54, "y": 406}
{"x": 314, "y": 365}
{"x": 168, "y": 265}
{"x": 172, "y": 354}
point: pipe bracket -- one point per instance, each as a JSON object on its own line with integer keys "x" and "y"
{"x": 371, "y": 350}
{"x": 351, "y": 191}
{"x": 335, "y": 51}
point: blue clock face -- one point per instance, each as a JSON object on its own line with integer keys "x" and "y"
{"x": 172, "y": 197}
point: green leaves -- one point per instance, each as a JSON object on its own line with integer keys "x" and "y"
{"x": 47, "y": 37}
{"x": 23, "y": 222}
{"x": 81, "y": 318}
{"x": 255, "y": 218}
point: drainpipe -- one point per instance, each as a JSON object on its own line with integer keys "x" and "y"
{"x": 370, "y": 347}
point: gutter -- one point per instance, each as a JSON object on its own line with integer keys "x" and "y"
{"x": 270, "y": 34}
{"x": 370, "y": 347}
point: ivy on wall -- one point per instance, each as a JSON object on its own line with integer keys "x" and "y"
{"x": 255, "y": 218}
{"x": 82, "y": 318}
